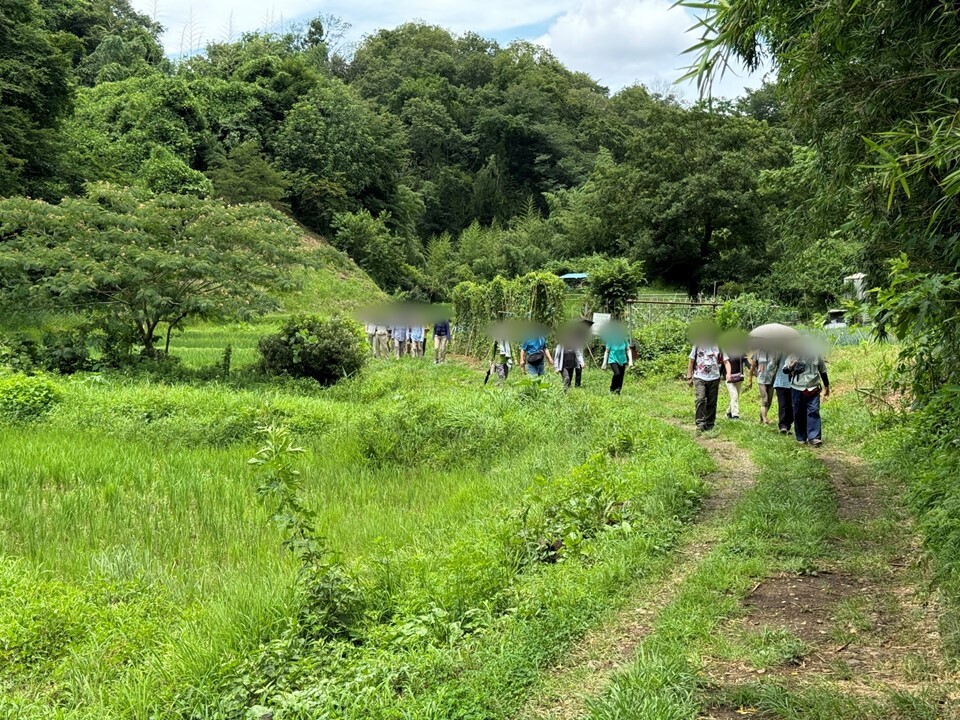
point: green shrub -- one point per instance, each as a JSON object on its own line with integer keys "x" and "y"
{"x": 164, "y": 172}
{"x": 613, "y": 283}
{"x": 19, "y": 352}
{"x": 25, "y": 397}
{"x": 325, "y": 350}
{"x": 665, "y": 337}
{"x": 66, "y": 352}
{"x": 748, "y": 310}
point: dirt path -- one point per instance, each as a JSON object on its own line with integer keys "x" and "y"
{"x": 590, "y": 665}
{"x": 865, "y": 621}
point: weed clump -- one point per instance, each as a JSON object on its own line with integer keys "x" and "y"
{"x": 27, "y": 397}
{"x": 333, "y": 602}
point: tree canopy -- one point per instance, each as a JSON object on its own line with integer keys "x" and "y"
{"x": 432, "y": 158}
{"x": 142, "y": 262}
{"x": 874, "y": 87}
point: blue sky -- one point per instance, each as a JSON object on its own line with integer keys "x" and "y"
{"x": 618, "y": 42}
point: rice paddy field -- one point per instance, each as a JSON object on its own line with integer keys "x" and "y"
{"x": 141, "y": 569}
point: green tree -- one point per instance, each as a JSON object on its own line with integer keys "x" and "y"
{"x": 613, "y": 283}
{"x": 368, "y": 240}
{"x": 142, "y": 262}
{"x": 244, "y": 175}
{"x": 119, "y": 125}
{"x": 34, "y": 95}
{"x": 683, "y": 197}
{"x": 342, "y": 156}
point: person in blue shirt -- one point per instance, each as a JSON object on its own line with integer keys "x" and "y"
{"x": 534, "y": 355}
{"x": 399, "y": 335}
{"x": 416, "y": 333}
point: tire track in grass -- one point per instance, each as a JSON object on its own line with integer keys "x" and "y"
{"x": 868, "y": 619}
{"x": 589, "y": 667}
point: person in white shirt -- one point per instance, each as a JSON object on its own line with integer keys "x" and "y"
{"x": 703, "y": 374}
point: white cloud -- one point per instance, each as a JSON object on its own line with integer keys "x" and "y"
{"x": 619, "y": 42}
{"x": 211, "y": 19}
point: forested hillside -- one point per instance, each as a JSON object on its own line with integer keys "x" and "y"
{"x": 430, "y": 158}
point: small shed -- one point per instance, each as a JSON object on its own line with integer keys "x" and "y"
{"x": 574, "y": 280}
{"x": 859, "y": 283}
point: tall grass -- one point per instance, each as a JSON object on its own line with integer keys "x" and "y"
{"x": 129, "y": 514}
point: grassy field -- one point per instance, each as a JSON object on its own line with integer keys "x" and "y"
{"x": 140, "y": 568}
{"x": 476, "y": 534}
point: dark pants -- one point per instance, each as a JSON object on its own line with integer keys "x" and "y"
{"x": 535, "y": 370}
{"x": 806, "y": 416}
{"x": 705, "y": 398}
{"x": 568, "y": 375}
{"x": 785, "y": 408}
{"x": 616, "y": 382}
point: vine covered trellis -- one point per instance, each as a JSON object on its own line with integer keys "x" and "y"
{"x": 537, "y": 296}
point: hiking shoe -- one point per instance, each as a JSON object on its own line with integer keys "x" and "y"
{"x": 729, "y": 416}
{"x": 784, "y": 431}
{"x": 817, "y": 442}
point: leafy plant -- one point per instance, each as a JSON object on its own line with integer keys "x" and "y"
{"x": 559, "y": 530}
{"x": 613, "y": 283}
{"x": 27, "y": 397}
{"x": 19, "y": 352}
{"x": 333, "y": 601}
{"x": 66, "y": 352}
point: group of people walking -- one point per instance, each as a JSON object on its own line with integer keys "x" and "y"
{"x": 795, "y": 376}
{"x": 408, "y": 340}
{"x": 792, "y": 373}
{"x": 567, "y": 358}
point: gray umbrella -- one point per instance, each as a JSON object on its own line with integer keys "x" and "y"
{"x": 774, "y": 331}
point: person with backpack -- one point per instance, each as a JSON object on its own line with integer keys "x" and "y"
{"x": 703, "y": 375}
{"x": 617, "y": 357}
{"x": 806, "y": 372}
{"x": 568, "y": 362}
{"x": 533, "y": 354}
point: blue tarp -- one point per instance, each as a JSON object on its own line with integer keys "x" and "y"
{"x": 574, "y": 276}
